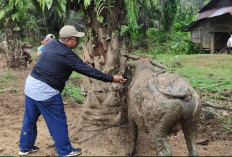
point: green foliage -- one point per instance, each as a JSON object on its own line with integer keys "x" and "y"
{"x": 124, "y": 29}
{"x": 100, "y": 19}
{"x": 152, "y": 32}
{"x": 194, "y": 48}
{"x": 169, "y": 18}
{"x": 157, "y": 13}
{"x": 24, "y": 17}
{"x": 132, "y": 12}
{"x": 160, "y": 42}
{"x": 86, "y": 3}
{"x": 169, "y": 11}
{"x": 13, "y": 10}
{"x": 60, "y": 6}
{"x": 44, "y": 3}
{"x": 99, "y": 6}
{"x": 2, "y": 14}
{"x": 73, "y": 94}
{"x": 72, "y": 90}
{"x": 47, "y": 3}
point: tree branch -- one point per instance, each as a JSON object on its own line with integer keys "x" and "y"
{"x": 210, "y": 104}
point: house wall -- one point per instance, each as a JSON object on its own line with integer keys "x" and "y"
{"x": 221, "y": 23}
{"x": 196, "y": 33}
{"x": 206, "y": 35}
{"x": 200, "y": 33}
{"x": 220, "y": 26}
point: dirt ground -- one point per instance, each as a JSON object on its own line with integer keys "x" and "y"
{"x": 216, "y": 142}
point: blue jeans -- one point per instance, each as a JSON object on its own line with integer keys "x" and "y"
{"x": 53, "y": 112}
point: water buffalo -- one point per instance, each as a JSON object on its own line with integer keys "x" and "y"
{"x": 162, "y": 103}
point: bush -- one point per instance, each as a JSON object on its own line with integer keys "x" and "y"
{"x": 160, "y": 42}
{"x": 194, "y": 48}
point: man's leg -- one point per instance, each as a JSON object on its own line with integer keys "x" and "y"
{"x": 54, "y": 115}
{"x": 29, "y": 128}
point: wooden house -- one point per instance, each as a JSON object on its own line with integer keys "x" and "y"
{"x": 213, "y": 26}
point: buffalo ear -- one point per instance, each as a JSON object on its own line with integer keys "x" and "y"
{"x": 130, "y": 64}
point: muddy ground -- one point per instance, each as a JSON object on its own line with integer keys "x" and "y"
{"x": 217, "y": 142}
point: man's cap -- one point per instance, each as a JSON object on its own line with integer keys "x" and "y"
{"x": 50, "y": 36}
{"x": 70, "y": 31}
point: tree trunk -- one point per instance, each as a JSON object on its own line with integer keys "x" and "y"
{"x": 13, "y": 50}
{"x": 105, "y": 106}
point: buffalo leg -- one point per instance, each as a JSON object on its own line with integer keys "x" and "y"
{"x": 134, "y": 135}
{"x": 159, "y": 138}
{"x": 159, "y": 131}
{"x": 190, "y": 129}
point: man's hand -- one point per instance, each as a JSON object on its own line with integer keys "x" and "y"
{"x": 86, "y": 61}
{"x": 119, "y": 79}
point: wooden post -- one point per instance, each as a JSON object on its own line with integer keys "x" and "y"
{"x": 212, "y": 43}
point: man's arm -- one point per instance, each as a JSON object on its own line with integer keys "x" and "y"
{"x": 79, "y": 66}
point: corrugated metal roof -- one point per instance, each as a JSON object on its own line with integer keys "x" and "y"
{"x": 214, "y": 12}
{"x": 209, "y": 14}
{"x": 210, "y": 5}
{"x": 216, "y": 4}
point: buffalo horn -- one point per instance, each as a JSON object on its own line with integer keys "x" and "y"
{"x": 134, "y": 57}
{"x": 158, "y": 64}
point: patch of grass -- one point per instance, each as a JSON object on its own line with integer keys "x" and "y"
{"x": 13, "y": 91}
{"x": 75, "y": 77}
{"x": 73, "y": 94}
{"x": 212, "y": 73}
{"x": 1, "y": 91}
{"x": 7, "y": 78}
{"x": 72, "y": 89}
{"x": 227, "y": 123}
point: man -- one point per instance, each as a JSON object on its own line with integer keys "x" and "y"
{"x": 44, "y": 85}
{"x": 26, "y": 53}
{"x": 229, "y": 45}
{"x": 40, "y": 48}
{"x": 44, "y": 40}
